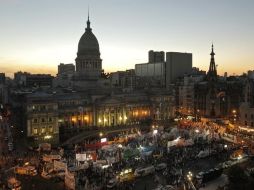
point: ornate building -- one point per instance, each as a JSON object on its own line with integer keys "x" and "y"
{"x": 246, "y": 110}
{"x": 88, "y": 61}
{"x": 41, "y": 113}
{"x": 215, "y": 96}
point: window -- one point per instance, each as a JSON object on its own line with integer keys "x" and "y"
{"x": 42, "y": 120}
{"x": 43, "y": 107}
{"x": 246, "y": 115}
{"x": 35, "y": 121}
{"x": 245, "y": 123}
{"x": 251, "y": 124}
{"x": 43, "y": 130}
{"x": 50, "y": 129}
{"x": 50, "y": 119}
{"x": 35, "y": 131}
{"x": 251, "y": 116}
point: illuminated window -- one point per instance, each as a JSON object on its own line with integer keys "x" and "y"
{"x": 50, "y": 129}
{"x": 35, "y": 131}
{"x": 43, "y": 130}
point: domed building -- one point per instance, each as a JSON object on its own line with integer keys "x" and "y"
{"x": 88, "y": 61}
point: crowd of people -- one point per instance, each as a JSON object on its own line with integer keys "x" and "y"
{"x": 135, "y": 149}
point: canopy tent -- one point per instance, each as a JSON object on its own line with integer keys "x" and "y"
{"x": 130, "y": 153}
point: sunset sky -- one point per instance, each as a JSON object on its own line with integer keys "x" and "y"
{"x": 37, "y": 35}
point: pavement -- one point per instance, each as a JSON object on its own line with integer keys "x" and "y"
{"x": 88, "y": 134}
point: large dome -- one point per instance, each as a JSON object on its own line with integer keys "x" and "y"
{"x": 88, "y": 44}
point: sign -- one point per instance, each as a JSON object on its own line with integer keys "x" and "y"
{"x": 51, "y": 157}
{"x": 81, "y": 157}
{"x": 103, "y": 140}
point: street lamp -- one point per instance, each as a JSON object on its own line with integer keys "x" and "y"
{"x": 100, "y": 134}
{"x": 155, "y": 131}
{"x": 189, "y": 177}
{"x": 234, "y": 113}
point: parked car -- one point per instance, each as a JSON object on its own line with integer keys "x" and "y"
{"x": 160, "y": 166}
{"x": 112, "y": 183}
{"x": 144, "y": 171}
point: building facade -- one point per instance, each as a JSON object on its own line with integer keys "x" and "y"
{"x": 246, "y": 110}
{"x": 215, "y": 96}
{"x": 25, "y": 79}
{"x": 41, "y": 112}
{"x": 185, "y": 93}
{"x": 177, "y": 65}
{"x": 156, "y": 56}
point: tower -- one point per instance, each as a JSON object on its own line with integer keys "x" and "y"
{"x": 212, "y": 78}
{"x": 88, "y": 61}
{"x": 212, "y": 72}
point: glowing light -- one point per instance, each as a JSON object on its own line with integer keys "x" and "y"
{"x": 103, "y": 140}
{"x": 99, "y": 120}
{"x": 125, "y": 117}
{"x": 47, "y": 137}
{"x": 73, "y": 119}
{"x": 86, "y": 118}
{"x": 101, "y": 134}
{"x": 155, "y": 131}
{"x": 120, "y": 118}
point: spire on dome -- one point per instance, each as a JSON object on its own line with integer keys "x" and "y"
{"x": 88, "y": 22}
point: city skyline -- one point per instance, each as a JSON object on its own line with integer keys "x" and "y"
{"x": 125, "y": 38}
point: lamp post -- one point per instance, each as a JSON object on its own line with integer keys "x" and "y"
{"x": 234, "y": 115}
{"x": 197, "y": 115}
{"x": 189, "y": 178}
